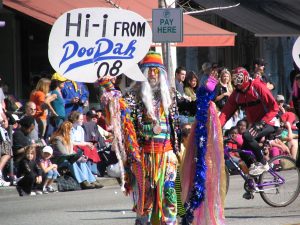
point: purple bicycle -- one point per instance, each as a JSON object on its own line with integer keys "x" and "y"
{"x": 278, "y": 187}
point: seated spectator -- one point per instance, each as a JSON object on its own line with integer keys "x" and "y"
{"x": 49, "y": 170}
{"x": 5, "y": 149}
{"x": 36, "y": 133}
{"x": 191, "y": 85}
{"x": 95, "y": 133}
{"x": 102, "y": 120}
{"x": 237, "y": 116}
{"x": 288, "y": 120}
{"x": 182, "y": 99}
{"x": 21, "y": 138}
{"x": 93, "y": 116}
{"x": 13, "y": 120}
{"x": 274, "y": 148}
{"x": 223, "y": 89}
{"x": 63, "y": 147}
{"x": 28, "y": 172}
{"x": 235, "y": 142}
{"x": 242, "y": 126}
{"x": 180, "y": 75}
{"x": 78, "y": 140}
{"x": 259, "y": 73}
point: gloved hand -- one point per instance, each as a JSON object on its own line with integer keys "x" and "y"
{"x": 256, "y": 128}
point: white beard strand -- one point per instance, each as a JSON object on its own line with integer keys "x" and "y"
{"x": 147, "y": 94}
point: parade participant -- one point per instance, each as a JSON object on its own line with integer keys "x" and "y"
{"x": 261, "y": 110}
{"x": 150, "y": 162}
{"x": 203, "y": 180}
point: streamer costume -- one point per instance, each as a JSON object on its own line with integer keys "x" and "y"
{"x": 146, "y": 140}
{"x": 203, "y": 173}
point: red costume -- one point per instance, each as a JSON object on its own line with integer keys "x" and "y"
{"x": 257, "y": 101}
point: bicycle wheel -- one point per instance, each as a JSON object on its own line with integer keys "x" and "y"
{"x": 282, "y": 182}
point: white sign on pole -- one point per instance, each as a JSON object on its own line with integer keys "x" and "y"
{"x": 167, "y": 25}
{"x": 88, "y": 43}
{"x": 296, "y": 52}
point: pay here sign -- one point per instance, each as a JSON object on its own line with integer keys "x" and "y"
{"x": 167, "y": 25}
{"x": 88, "y": 43}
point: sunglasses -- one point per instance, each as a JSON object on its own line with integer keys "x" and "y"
{"x": 155, "y": 70}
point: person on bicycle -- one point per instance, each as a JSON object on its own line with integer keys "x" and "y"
{"x": 261, "y": 111}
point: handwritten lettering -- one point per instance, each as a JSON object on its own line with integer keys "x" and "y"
{"x": 104, "y": 49}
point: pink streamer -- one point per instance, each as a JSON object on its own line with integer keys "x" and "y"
{"x": 211, "y": 210}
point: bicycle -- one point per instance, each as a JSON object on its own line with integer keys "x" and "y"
{"x": 278, "y": 187}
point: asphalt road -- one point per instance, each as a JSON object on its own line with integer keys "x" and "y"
{"x": 109, "y": 206}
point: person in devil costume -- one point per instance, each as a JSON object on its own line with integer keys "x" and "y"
{"x": 261, "y": 111}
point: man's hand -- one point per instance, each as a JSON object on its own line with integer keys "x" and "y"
{"x": 75, "y": 100}
{"x": 54, "y": 166}
{"x": 38, "y": 179}
{"x": 214, "y": 74}
{"x": 256, "y": 128}
{"x": 90, "y": 145}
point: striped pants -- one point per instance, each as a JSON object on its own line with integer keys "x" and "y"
{"x": 160, "y": 195}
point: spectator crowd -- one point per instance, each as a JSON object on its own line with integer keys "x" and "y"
{"x": 281, "y": 139}
{"x": 52, "y": 138}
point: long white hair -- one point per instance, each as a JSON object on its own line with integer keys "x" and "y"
{"x": 147, "y": 93}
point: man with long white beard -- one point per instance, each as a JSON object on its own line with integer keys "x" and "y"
{"x": 153, "y": 113}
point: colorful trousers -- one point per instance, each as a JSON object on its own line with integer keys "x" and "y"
{"x": 160, "y": 197}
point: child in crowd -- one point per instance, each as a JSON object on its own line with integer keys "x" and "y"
{"x": 49, "y": 169}
{"x": 235, "y": 142}
{"x": 28, "y": 172}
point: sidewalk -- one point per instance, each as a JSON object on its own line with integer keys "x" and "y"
{"x": 106, "y": 181}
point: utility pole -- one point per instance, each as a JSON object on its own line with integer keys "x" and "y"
{"x": 166, "y": 53}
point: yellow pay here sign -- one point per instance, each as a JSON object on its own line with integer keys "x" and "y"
{"x": 167, "y": 25}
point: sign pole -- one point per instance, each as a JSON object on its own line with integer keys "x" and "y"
{"x": 166, "y": 53}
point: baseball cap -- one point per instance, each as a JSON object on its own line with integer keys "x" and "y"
{"x": 259, "y": 61}
{"x": 279, "y": 98}
{"x": 57, "y": 76}
{"x": 48, "y": 149}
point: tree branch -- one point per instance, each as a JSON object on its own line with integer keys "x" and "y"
{"x": 211, "y": 9}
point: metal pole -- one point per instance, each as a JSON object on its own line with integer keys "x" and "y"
{"x": 11, "y": 161}
{"x": 166, "y": 54}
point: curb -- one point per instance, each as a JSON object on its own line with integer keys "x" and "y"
{"x": 106, "y": 181}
